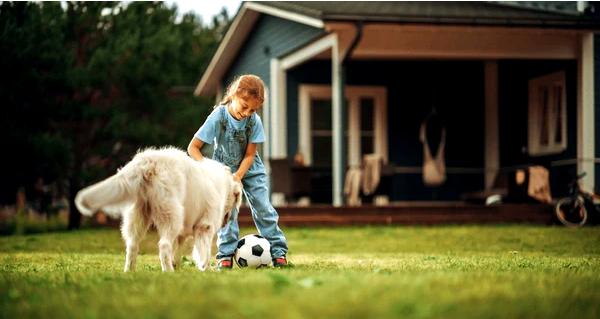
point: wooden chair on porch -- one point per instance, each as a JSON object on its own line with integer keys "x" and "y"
{"x": 291, "y": 180}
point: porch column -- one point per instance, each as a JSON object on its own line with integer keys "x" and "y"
{"x": 266, "y": 118}
{"x": 336, "y": 116}
{"x": 492, "y": 146}
{"x": 277, "y": 111}
{"x": 585, "y": 112}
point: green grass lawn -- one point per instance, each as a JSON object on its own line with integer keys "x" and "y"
{"x": 358, "y": 272}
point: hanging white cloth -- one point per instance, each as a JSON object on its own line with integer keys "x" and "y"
{"x": 371, "y": 172}
{"x": 434, "y": 167}
{"x": 352, "y": 186}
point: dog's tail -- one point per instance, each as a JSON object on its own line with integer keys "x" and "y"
{"x": 117, "y": 192}
{"x": 110, "y": 195}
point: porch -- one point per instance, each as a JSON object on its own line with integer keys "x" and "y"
{"x": 409, "y": 213}
{"x": 368, "y": 88}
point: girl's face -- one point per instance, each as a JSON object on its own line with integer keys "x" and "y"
{"x": 242, "y": 108}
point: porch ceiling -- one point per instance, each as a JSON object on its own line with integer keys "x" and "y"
{"x": 395, "y": 41}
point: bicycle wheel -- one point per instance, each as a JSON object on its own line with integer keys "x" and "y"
{"x": 571, "y": 211}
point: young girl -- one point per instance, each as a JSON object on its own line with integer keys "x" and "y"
{"x": 234, "y": 129}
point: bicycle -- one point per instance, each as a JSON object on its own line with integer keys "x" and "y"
{"x": 572, "y": 211}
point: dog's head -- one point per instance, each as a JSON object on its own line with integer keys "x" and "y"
{"x": 234, "y": 199}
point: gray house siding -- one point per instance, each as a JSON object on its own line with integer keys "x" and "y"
{"x": 271, "y": 37}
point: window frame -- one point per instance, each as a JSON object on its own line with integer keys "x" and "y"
{"x": 537, "y": 115}
{"x": 352, "y": 94}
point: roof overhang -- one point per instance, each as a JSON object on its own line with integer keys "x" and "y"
{"x": 391, "y": 41}
{"x": 235, "y": 37}
{"x": 413, "y": 37}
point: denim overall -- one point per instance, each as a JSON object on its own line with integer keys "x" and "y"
{"x": 230, "y": 150}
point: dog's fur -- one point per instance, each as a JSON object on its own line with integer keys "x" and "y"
{"x": 180, "y": 196}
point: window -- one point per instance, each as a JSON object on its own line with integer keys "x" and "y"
{"x": 321, "y": 132}
{"x": 547, "y": 115}
{"x": 366, "y": 127}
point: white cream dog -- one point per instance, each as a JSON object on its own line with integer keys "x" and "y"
{"x": 180, "y": 196}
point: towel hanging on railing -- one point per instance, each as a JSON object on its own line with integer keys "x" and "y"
{"x": 372, "y": 164}
{"x": 352, "y": 186}
{"x": 434, "y": 167}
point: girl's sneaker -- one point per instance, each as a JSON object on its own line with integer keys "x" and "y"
{"x": 280, "y": 262}
{"x": 225, "y": 263}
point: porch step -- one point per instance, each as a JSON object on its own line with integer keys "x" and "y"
{"x": 409, "y": 214}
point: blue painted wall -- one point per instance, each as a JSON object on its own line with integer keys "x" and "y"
{"x": 271, "y": 37}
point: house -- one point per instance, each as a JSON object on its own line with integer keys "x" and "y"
{"x": 512, "y": 84}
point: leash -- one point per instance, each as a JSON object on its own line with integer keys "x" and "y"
{"x": 248, "y": 200}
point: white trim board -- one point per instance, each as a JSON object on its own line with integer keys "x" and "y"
{"x": 336, "y": 114}
{"x": 585, "y": 112}
{"x": 278, "y": 89}
{"x": 304, "y": 54}
{"x": 278, "y": 106}
{"x": 296, "y": 17}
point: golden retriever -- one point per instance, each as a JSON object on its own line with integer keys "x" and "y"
{"x": 182, "y": 197}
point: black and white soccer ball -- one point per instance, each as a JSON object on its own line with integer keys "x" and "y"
{"x": 253, "y": 251}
